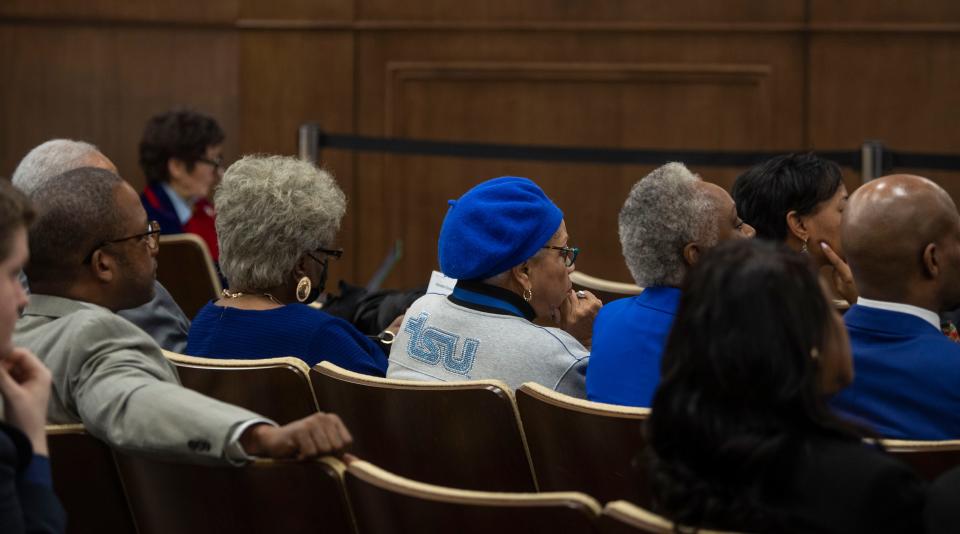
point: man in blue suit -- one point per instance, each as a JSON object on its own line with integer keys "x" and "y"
{"x": 669, "y": 218}
{"x": 902, "y": 238}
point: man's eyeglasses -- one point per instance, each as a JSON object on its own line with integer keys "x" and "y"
{"x": 151, "y": 236}
{"x": 217, "y": 163}
{"x": 569, "y": 254}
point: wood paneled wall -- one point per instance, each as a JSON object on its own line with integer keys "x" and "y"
{"x": 692, "y": 74}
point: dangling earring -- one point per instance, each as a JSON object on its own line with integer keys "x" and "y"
{"x": 303, "y": 289}
{"x": 803, "y": 247}
{"x": 815, "y": 353}
{"x": 527, "y": 294}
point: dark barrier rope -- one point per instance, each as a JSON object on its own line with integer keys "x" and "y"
{"x": 612, "y": 156}
{"x": 912, "y": 160}
{"x": 615, "y": 156}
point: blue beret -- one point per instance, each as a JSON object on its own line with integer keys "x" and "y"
{"x": 497, "y": 225}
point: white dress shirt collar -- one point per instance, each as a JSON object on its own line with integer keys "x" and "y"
{"x": 923, "y": 313}
{"x": 184, "y": 208}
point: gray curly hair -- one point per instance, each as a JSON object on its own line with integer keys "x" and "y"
{"x": 663, "y": 213}
{"x": 270, "y": 211}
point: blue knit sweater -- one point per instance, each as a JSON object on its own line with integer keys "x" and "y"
{"x": 292, "y": 330}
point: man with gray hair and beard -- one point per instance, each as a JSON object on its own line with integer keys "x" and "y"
{"x": 669, "y": 219}
{"x": 161, "y": 317}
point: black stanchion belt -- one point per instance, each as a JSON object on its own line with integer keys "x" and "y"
{"x": 614, "y": 156}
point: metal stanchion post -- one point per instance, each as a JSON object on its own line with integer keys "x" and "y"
{"x": 871, "y": 158}
{"x": 308, "y": 142}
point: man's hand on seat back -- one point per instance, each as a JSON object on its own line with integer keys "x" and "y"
{"x": 318, "y": 434}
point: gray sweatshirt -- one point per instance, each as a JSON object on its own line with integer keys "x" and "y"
{"x": 440, "y": 340}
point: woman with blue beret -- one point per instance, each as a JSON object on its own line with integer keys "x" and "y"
{"x": 507, "y": 245}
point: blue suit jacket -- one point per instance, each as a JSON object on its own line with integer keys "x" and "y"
{"x": 628, "y": 339}
{"x": 906, "y": 376}
{"x": 163, "y": 212}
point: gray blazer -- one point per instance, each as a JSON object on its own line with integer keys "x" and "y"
{"x": 162, "y": 318}
{"x": 112, "y": 377}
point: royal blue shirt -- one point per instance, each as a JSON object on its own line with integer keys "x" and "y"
{"x": 292, "y": 330}
{"x": 628, "y": 339}
{"x": 906, "y": 381}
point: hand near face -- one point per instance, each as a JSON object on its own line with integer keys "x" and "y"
{"x": 25, "y": 386}
{"x": 318, "y": 434}
{"x": 576, "y": 315}
{"x": 842, "y": 276}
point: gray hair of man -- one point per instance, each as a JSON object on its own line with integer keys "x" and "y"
{"x": 77, "y": 212}
{"x": 50, "y": 159}
{"x": 663, "y": 213}
{"x": 270, "y": 211}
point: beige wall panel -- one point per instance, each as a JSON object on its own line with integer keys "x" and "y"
{"x": 101, "y": 85}
{"x": 288, "y": 78}
{"x": 583, "y": 91}
{"x": 896, "y": 88}
{"x": 891, "y": 88}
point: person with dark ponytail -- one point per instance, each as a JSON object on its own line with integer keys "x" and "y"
{"x": 741, "y": 437}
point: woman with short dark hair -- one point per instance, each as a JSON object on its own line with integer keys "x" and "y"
{"x": 181, "y": 154}
{"x": 798, "y": 199}
{"x": 740, "y": 435}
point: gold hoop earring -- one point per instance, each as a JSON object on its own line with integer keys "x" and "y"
{"x": 803, "y": 247}
{"x": 303, "y": 289}
{"x": 527, "y": 294}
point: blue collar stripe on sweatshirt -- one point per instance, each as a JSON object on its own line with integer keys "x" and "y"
{"x": 486, "y": 300}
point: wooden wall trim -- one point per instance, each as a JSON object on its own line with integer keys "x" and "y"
{"x": 491, "y": 26}
{"x": 874, "y": 27}
{"x": 115, "y": 23}
{"x": 596, "y": 27}
{"x": 399, "y": 72}
{"x": 579, "y": 26}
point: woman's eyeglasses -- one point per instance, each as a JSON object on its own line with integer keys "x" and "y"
{"x": 569, "y": 254}
{"x": 217, "y": 163}
{"x": 334, "y": 253}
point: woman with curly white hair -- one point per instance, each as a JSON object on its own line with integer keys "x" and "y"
{"x": 277, "y": 218}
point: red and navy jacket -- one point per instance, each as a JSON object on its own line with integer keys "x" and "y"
{"x": 202, "y": 222}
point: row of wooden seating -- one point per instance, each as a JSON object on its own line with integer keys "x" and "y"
{"x": 186, "y": 269}
{"x": 117, "y": 492}
{"x": 474, "y": 434}
{"x": 464, "y": 434}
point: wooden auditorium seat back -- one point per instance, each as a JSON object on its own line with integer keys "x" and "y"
{"x": 579, "y": 445}
{"x": 458, "y": 434}
{"x": 185, "y": 268}
{"x": 622, "y": 517}
{"x": 605, "y": 290}
{"x": 384, "y": 503}
{"x": 276, "y": 388}
{"x": 86, "y": 481}
{"x": 263, "y": 496}
{"x": 929, "y": 458}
